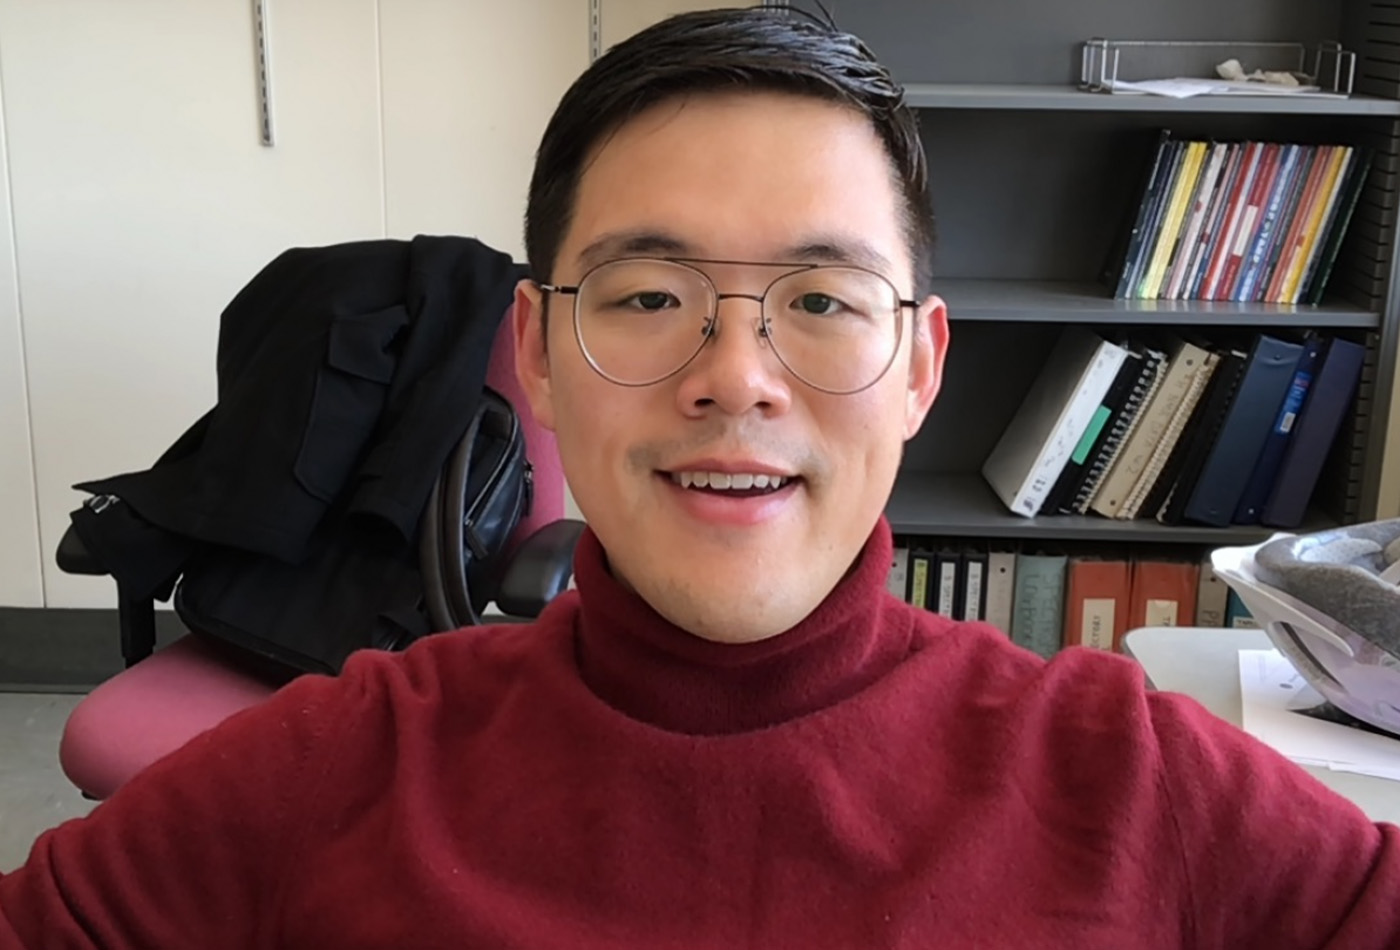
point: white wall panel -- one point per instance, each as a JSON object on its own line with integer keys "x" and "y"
{"x": 468, "y": 88}
{"x": 143, "y": 201}
{"x": 21, "y": 584}
{"x": 622, "y": 18}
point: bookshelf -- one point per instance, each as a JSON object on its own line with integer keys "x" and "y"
{"x": 1031, "y": 178}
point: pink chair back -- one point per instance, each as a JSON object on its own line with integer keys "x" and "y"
{"x": 540, "y": 445}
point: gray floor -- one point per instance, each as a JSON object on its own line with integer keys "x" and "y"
{"x": 34, "y": 795}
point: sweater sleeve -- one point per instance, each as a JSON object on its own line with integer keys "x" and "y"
{"x": 1272, "y": 857}
{"x": 192, "y": 851}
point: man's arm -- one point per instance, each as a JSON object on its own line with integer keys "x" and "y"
{"x": 1273, "y": 857}
{"x": 191, "y": 852}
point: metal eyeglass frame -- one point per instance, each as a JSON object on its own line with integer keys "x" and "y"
{"x": 711, "y": 326}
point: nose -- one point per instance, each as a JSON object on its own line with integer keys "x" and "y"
{"x": 736, "y": 371}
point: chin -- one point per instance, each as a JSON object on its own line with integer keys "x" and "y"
{"x": 730, "y": 613}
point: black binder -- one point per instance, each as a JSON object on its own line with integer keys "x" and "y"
{"x": 1240, "y": 441}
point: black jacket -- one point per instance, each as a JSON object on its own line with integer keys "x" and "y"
{"x": 346, "y": 376}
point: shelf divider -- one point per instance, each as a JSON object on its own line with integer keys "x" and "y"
{"x": 1042, "y": 301}
{"x": 1069, "y": 98}
{"x": 963, "y": 505}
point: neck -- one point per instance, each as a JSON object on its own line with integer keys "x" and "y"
{"x": 653, "y": 671}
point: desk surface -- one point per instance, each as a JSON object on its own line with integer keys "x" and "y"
{"x": 1203, "y": 664}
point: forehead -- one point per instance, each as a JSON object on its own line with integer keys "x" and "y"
{"x": 746, "y": 176}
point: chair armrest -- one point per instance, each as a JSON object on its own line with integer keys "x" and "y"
{"x": 540, "y": 569}
{"x": 73, "y": 556}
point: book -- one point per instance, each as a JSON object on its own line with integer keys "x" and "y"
{"x": 1250, "y": 217}
{"x": 920, "y": 577}
{"x": 1278, "y": 240}
{"x": 1178, "y": 479}
{"x": 1096, "y": 602}
{"x": 1183, "y": 361}
{"x": 1312, "y": 238}
{"x": 946, "y": 592}
{"x": 1133, "y": 245}
{"x": 1159, "y": 474}
{"x": 1237, "y": 614}
{"x": 1251, "y": 270}
{"x": 972, "y": 585}
{"x": 1183, "y": 187}
{"x": 1165, "y": 461}
{"x": 1038, "y": 605}
{"x": 1261, "y": 480}
{"x": 1034, "y": 448}
{"x": 1212, "y": 596}
{"x": 1162, "y": 593}
{"x": 1292, "y": 240}
{"x": 1001, "y": 588}
{"x": 1124, "y": 424}
{"x": 1060, "y": 500}
{"x": 1157, "y": 201}
{"x": 1217, "y": 216}
{"x": 1246, "y": 424}
{"x": 898, "y": 581}
{"x": 1202, "y": 202}
{"x": 1230, "y": 226}
{"x": 1315, "y": 279}
{"x": 1332, "y": 391}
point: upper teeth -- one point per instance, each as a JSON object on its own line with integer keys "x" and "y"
{"x": 724, "y": 480}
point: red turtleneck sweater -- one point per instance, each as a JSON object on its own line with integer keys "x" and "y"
{"x": 876, "y": 777}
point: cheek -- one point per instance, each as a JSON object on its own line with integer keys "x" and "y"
{"x": 594, "y": 428}
{"x": 872, "y": 423}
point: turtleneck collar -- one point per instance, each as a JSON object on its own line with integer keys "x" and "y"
{"x": 649, "y": 669}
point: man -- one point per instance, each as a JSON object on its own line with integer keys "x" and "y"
{"x": 730, "y": 736}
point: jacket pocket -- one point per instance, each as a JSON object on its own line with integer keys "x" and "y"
{"x": 347, "y": 399}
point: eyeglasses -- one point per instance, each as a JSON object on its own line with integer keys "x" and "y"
{"x": 641, "y": 320}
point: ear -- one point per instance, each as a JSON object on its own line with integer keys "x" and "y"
{"x": 532, "y": 353}
{"x": 928, "y": 348}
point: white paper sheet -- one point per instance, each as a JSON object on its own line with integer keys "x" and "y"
{"x": 1271, "y": 689}
{"x": 1185, "y": 88}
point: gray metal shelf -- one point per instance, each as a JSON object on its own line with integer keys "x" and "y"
{"x": 1047, "y": 301}
{"x": 1071, "y": 98}
{"x": 963, "y": 505}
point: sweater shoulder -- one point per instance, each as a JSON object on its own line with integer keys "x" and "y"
{"x": 469, "y": 667}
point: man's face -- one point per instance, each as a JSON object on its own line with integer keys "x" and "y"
{"x": 753, "y": 177}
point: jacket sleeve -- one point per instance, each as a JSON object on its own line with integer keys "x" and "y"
{"x": 1272, "y": 857}
{"x": 192, "y": 852}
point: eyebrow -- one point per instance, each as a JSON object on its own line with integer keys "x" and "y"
{"x": 839, "y": 249}
{"x": 815, "y": 249}
{"x": 639, "y": 243}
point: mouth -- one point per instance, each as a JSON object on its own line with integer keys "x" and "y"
{"x": 732, "y": 484}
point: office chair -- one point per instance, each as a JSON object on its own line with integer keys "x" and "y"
{"x": 159, "y": 703}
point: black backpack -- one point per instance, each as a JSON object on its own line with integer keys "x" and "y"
{"x": 361, "y": 587}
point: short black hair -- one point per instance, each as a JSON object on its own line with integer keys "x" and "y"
{"x": 755, "y": 48}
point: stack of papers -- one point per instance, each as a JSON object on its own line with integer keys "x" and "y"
{"x": 1273, "y": 691}
{"x": 1186, "y": 88}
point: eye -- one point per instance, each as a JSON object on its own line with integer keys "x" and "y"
{"x": 653, "y": 300}
{"x": 818, "y": 304}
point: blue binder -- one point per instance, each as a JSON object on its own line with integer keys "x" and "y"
{"x": 1225, "y": 474}
{"x": 1261, "y": 482}
{"x": 1318, "y": 424}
